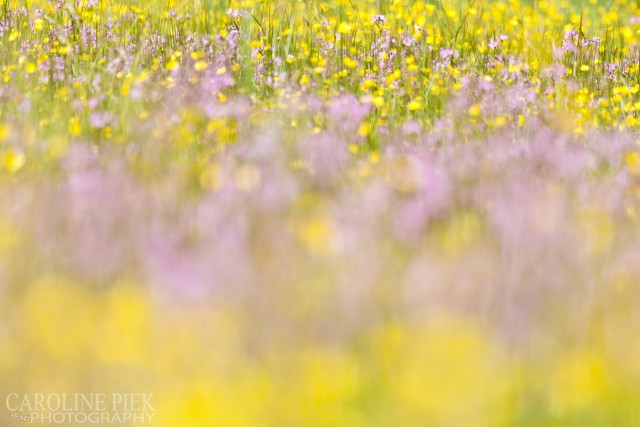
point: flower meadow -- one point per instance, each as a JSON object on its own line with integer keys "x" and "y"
{"x": 345, "y": 213}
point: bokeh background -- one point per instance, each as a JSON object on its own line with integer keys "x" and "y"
{"x": 324, "y": 213}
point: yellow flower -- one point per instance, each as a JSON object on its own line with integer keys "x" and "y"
{"x": 368, "y": 84}
{"x": 497, "y": 122}
{"x": 200, "y": 66}
{"x": 75, "y": 128}
{"x": 514, "y": 68}
{"x": 5, "y": 131}
{"x": 414, "y": 105}
{"x": 365, "y": 129}
{"x": 344, "y": 28}
{"x": 13, "y": 161}
{"x": 474, "y": 110}
{"x": 350, "y": 63}
{"x": 30, "y": 68}
{"x": 125, "y": 89}
{"x": 632, "y": 161}
{"x": 580, "y": 379}
{"x": 172, "y": 65}
{"x": 317, "y": 233}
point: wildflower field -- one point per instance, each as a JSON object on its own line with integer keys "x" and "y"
{"x": 339, "y": 213}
